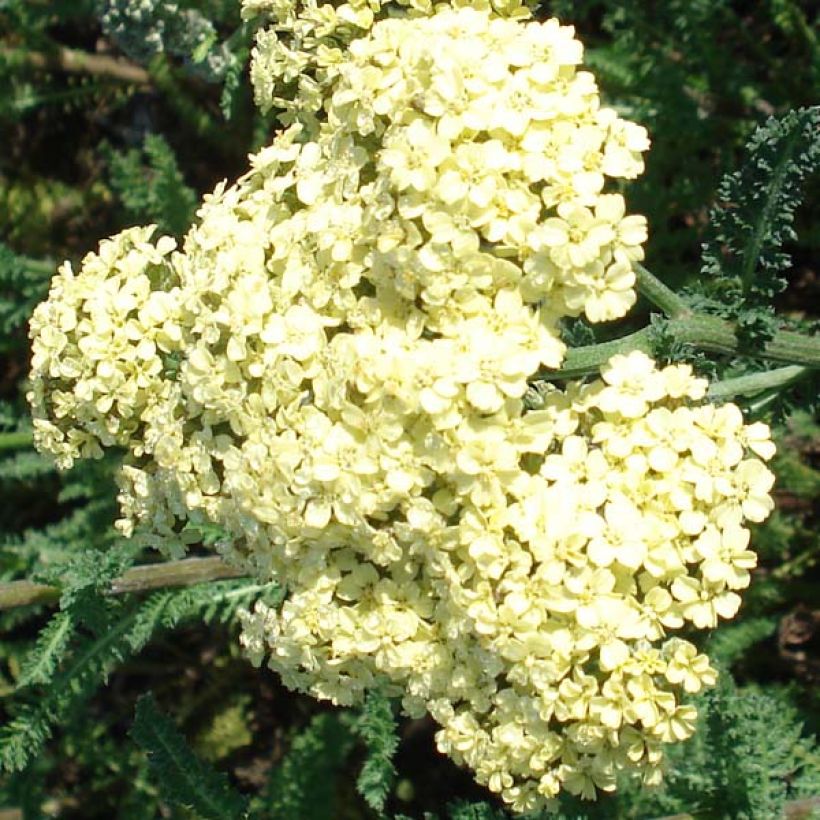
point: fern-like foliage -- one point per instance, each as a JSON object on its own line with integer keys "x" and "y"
{"x": 88, "y": 574}
{"x": 151, "y": 186}
{"x": 474, "y": 811}
{"x": 40, "y": 665}
{"x": 376, "y": 726}
{"x": 730, "y": 643}
{"x": 25, "y": 466}
{"x": 108, "y": 632}
{"x": 761, "y": 757}
{"x": 23, "y": 284}
{"x": 37, "y": 551}
{"x": 747, "y": 758}
{"x": 744, "y": 255}
{"x": 303, "y": 785}
{"x": 183, "y": 779}
{"x": 146, "y": 29}
{"x": 238, "y": 52}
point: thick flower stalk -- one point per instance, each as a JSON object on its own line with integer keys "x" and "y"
{"x": 333, "y": 369}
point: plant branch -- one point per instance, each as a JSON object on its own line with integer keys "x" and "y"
{"x": 582, "y": 361}
{"x": 80, "y": 62}
{"x": 699, "y": 330}
{"x": 185, "y": 572}
{"x": 659, "y": 294}
{"x": 757, "y": 382}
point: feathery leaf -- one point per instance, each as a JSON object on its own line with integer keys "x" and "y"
{"x": 42, "y": 661}
{"x": 128, "y": 628}
{"x": 151, "y": 186}
{"x": 303, "y": 784}
{"x": 755, "y": 217}
{"x": 376, "y": 726}
{"x": 183, "y": 779}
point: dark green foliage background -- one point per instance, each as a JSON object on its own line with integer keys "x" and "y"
{"x": 85, "y": 153}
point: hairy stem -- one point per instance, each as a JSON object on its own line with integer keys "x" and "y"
{"x": 137, "y": 579}
{"x": 757, "y": 382}
{"x": 700, "y": 331}
{"x": 659, "y": 294}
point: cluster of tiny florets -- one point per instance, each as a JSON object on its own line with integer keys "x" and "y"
{"x": 334, "y": 370}
{"x": 99, "y": 341}
{"x": 299, "y": 53}
{"x": 530, "y": 589}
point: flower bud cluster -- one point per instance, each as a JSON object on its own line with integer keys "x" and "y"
{"x": 333, "y": 371}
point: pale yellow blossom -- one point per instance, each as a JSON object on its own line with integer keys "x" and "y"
{"x": 335, "y": 371}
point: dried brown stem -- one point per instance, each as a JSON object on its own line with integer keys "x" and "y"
{"x": 80, "y": 62}
{"x": 137, "y": 579}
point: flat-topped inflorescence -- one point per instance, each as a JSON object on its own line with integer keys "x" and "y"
{"x": 332, "y": 370}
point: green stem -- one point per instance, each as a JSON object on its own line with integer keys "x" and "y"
{"x": 17, "y": 440}
{"x": 659, "y": 294}
{"x": 757, "y": 382}
{"x": 581, "y": 361}
{"x": 701, "y": 331}
{"x": 720, "y": 336}
{"x": 714, "y": 334}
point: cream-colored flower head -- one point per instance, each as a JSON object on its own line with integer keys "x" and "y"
{"x": 485, "y": 139}
{"x": 298, "y": 54}
{"x": 333, "y": 369}
{"x": 100, "y": 343}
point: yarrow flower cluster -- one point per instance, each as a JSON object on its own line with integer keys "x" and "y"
{"x": 334, "y": 370}
{"x": 298, "y": 55}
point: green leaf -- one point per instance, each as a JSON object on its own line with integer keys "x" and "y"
{"x": 151, "y": 186}
{"x": 743, "y": 257}
{"x": 183, "y": 779}
{"x": 127, "y": 629}
{"x": 732, "y": 641}
{"x": 747, "y": 758}
{"x": 303, "y": 785}
{"x": 40, "y": 665}
{"x": 87, "y": 575}
{"x": 376, "y": 726}
{"x": 23, "y": 283}
{"x": 759, "y": 751}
